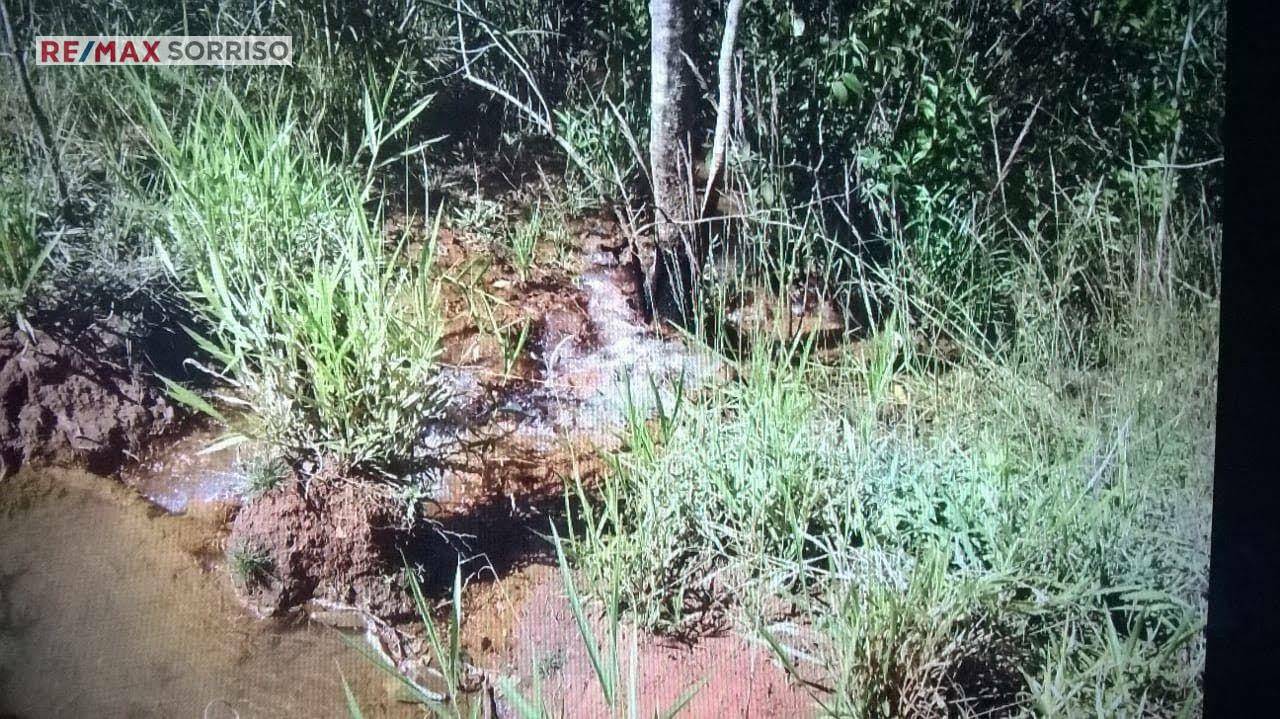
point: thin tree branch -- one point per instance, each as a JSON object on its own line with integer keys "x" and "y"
{"x": 543, "y": 120}
{"x": 1017, "y": 145}
{"x": 724, "y": 108}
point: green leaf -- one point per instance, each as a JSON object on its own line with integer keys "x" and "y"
{"x": 683, "y": 700}
{"x": 191, "y": 399}
{"x": 521, "y": 703}
{"x": 584, "y": 628}
{"x": 839, "y": 92}
{"x": 353, "y": 707}
{"x": 854, "y": 85}
{"x": 230, "y": 439}
{"x": 410, "y": 115}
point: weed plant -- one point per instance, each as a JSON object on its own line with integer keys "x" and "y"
{"x": 328, "y": 336}
{"x": 23, "y": 252}
{"x": 1020, "y": 528}
{"x": 462, "y": 700}
{"x": 249, "y": 565}
{"x": 521, "y": 243}
{"x": 261, "y": 474}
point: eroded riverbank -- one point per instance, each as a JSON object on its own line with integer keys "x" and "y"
{"x": 118, "y": 599}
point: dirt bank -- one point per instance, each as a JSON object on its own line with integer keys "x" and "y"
{"x": 523, "y": 626}
{"x": 323, "y": 539}
{"x": 75, "y": 397}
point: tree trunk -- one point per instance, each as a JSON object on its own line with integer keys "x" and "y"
{"x": 667, "y": 257}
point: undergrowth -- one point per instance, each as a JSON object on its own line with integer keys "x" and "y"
{"x": 327, "y": 335}
{"x": 1024, "y": 529}
{"x": 1019, "y": 527}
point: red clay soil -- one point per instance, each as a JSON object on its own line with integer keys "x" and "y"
{"x": 75, "y": 400}
{"x": 524, "y": 624}
{"x": 325, "y": 539}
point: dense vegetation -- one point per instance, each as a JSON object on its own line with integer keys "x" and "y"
{"x": 1020, "y": 524}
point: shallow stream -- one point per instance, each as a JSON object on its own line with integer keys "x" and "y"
{"x": 110, "y": 607}
{"x": 115, "y": 599}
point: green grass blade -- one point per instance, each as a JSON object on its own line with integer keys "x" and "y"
{"x": 584, "y": 628}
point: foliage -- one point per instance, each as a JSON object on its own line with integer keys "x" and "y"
{"x": 22, "y": 251}
{"x": 249, "y": 565}
{"x": 460, "y": 700}
{"x": 262, "y": 473}
{"x": 323, "y": 332}
{"x": 1027, "y": 528}
{"x": 521, "y": 243}
{"x": 1022, "y": 524}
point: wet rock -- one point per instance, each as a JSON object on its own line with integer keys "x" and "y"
{"x": 179, "y": 474}
{"x": 74, "y": 400}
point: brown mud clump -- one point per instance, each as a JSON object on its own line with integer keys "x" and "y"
{"x": 321, "y": 540}
{"x": 80, "y": 400}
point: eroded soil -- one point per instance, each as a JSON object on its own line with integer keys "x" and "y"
{"x": 80, "y": 399}
{"x": 326, "y": 540}
{"x": 523, "y": 627}
{"x": 542, "y": 373}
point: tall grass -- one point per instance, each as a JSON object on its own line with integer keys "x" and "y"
{"x": 319, "y": 328}
{"x": 520, "y": 243}
{"x": 23, "y": 252}
{"x": 1021, "y": 530}
{"x": 463, "y": 700}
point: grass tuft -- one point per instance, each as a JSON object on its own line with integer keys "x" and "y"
{"x": 327, "y": 334}
{"x": 249, "y": 565}
{"x": 262, "y": 473}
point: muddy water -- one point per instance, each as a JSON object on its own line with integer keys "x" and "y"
{"x": 114, "y": 600}
{"x": 111, "y": 608}
{"x": 593, "y": 363}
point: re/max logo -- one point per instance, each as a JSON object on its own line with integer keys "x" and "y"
{"x": 165, "y": 50}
